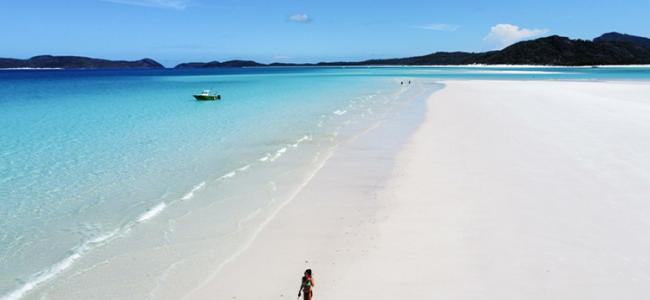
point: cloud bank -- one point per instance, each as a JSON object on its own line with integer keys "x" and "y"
{"x": 503, "y": 35}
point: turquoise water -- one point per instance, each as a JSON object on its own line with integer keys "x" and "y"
{"x": 99, "y": 163}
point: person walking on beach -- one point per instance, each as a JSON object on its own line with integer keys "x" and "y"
{"x": 306, "y": 286}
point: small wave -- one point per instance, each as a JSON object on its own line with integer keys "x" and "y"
{"x": 78, "y": 252}
{"x": 259, "y": 228}
{"x": 244, "y": 168}
{"x": 278, "y": 154}
{"x": 195, "y": 189}
{"x": 152, "y": 212}
{"x": 265, "y": 158}
{"x": 227, "y": 175}
{"x": 300, "y": 140}
{"x": 103, "y": 238}
{"x": 59, "y": 267}
{"x": 340, "y": 112}
{"x": 42, "y": 277}
{"x": 304, "y": 138}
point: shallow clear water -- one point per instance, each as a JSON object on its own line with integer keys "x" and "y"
{"x": 99, "y": 168}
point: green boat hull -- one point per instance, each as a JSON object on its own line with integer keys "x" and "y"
{"x": 207, "y": 97}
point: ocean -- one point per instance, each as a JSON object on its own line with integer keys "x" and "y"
{"x": 119, "y": 179}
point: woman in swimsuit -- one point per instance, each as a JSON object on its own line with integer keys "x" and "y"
{"x": 307, "y": 285}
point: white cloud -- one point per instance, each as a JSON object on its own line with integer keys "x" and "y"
{"x": 503, "y": 35}
{"x": 439, "y": 27}
{"x": 170, "y": 4}
{"x": 300, "y": 18}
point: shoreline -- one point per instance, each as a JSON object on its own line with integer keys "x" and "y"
{"x": 86, "y": 271}
{"x": 457, "y": 218}
{"x": 343, "y": 218}
{"x": 478, "y": 66}
{"x": 471, "y": 66}
{"x": 324, "y": 195}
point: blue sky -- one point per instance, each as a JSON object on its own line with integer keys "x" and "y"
{"x": 173, "y": 31}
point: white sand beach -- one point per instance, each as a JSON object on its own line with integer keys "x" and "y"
{"x": 508, "y": 190}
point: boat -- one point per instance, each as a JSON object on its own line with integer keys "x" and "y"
{"x": 205, "y": 96}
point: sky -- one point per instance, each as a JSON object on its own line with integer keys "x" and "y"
{"x": 174, "y": 31}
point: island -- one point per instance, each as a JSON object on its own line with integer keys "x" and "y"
{"x": 76, "y": 62}
{"x": 608, "y": 49}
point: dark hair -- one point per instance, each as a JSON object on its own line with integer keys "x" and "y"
{"x": 308, "y": 271}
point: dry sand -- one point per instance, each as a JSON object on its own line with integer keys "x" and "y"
{"x": 508, "y": 190}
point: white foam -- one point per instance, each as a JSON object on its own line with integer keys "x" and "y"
{"x": 278, "y": 154}
{"x": 260, "y": 227}
{"x": 340, "y": 112}
{"x": 57, "y": 268}
{"x": 227, "y": 175}
{"x": 42, "y": 277}
{"x": 78, "y": 252}
{"x": 300, "y": 140}
{"x": 265, "y": 158}
{"x": 195, "y": 189}
{"x": 304, "y": 138}
{"x": 244, "y": 168}
{"x": 103, "y": 238}
{"x": 152, "y": 212}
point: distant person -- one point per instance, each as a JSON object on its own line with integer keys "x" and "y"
{"x": 401, "y": 82}
{"x": 409, "y": 82}
{"x": 306, "y": 286}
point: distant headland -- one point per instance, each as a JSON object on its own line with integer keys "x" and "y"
{"x": 76, "y": 62}
{"x": 608, "y": 49}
